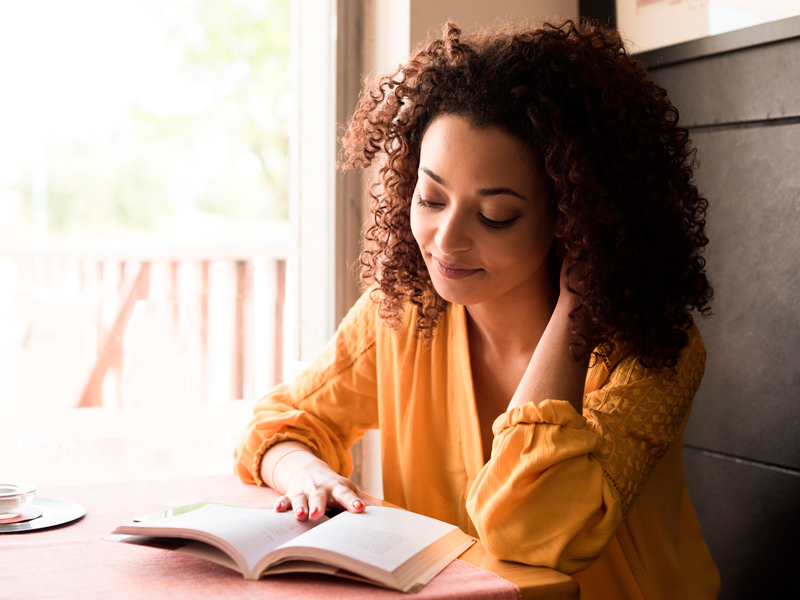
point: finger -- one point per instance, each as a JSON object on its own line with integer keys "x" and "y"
{"x": 300, "y": 506}
{"x": 317, "y": 502}
{"x": 282, "y": 504}
{"x": 348, "y": 499}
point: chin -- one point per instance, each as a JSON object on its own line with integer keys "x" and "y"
{"x": 456, "y": 292}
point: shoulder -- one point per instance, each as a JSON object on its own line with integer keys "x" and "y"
{"x": 351, "y": 349}
{"x": 354, "y": 336}
{"x": 405, "y": 325}
{"x": 622, "y": 389}
{"x": 623, "y": 366}
{"x": 638, "y": 412}
{"x": 363, "y": 314}
{"x": 364, "y": 325}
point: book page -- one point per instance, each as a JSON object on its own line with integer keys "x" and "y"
{"x": 252, "y": 532}
{"x": 380, "y": 536}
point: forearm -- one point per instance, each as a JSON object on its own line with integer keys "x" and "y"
{"x": 553, "y": 372}
{"x": 274, "y": 462}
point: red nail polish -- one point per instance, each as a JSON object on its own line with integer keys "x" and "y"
{"x": 314, "y": 511}
{"x": 300, "y": 511}
{"x": 358, "y": 505}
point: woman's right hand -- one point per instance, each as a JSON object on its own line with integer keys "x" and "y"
{"x": 307, "y": 484}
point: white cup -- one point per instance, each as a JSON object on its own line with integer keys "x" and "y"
{"x": 15, "y": 496}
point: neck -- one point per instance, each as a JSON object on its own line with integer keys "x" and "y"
{"x": 515, "y": 321}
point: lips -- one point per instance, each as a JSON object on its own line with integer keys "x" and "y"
{"x": 453, "y": 271}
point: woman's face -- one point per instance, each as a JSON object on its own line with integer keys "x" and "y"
{"x": 481, "y": 213}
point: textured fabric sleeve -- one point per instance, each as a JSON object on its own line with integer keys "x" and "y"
{"x": 559, "y": 484}
{"x": 327, "y": 407}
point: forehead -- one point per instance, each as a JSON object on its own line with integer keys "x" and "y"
{"x": 452, "y": 147}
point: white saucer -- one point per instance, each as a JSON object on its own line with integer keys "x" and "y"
{"x": 29, "y": 514}
{"x": 54, "y": 512}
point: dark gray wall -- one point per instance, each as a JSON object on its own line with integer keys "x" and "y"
{"x": 742, "y": 455}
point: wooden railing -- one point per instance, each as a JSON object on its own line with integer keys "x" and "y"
{"x": 240, "y": 290}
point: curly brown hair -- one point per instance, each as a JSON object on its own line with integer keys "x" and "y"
{"x": 608, "y": 136}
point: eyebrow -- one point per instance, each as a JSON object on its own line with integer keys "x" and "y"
{"x": 480, "y": 192}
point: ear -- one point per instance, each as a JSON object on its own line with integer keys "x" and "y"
{"x": 558, "y": 220}
{"x": 559, "y": 229}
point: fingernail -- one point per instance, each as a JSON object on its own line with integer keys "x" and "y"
{"x": 314, "y": 511}
{"x": 278, "y": 505}
{"x": 358, "y": 504}
{"x": 300, "y": 511}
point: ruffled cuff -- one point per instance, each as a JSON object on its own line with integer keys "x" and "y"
{"x": 551, "y": 412}
{"x": 291, "y": 425}
{"x": 269, "y": 442}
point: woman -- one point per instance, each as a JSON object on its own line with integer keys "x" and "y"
{"x": 526, "y": 345}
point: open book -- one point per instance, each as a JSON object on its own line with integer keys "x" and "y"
{"x": 384, "y": 546}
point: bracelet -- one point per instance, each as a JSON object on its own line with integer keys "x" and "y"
{"x": 272, "y": 475}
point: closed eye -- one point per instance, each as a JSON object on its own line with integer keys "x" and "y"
{"x": 486, "y": 221}
{"x": 425, "y": 204}
{"x": 497, "y": 224}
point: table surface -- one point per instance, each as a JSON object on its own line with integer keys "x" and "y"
{"x": 533, "y": 582}
{"x": 73, "y": 561}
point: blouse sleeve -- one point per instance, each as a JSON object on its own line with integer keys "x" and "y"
{"x": 327, "y": 407}
{"x": 559, "y": 484}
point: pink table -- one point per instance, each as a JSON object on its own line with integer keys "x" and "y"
{"x": 72, "y": 561}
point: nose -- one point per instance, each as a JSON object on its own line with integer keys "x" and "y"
{"x": 453, "y": 234}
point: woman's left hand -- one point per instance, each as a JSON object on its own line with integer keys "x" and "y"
{"x": 571, "y": 281}
{"x": 573, "y": 287}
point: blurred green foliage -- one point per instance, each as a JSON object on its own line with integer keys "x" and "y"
{"x": 225, "y": 154}
{"x": 244, "y": 52}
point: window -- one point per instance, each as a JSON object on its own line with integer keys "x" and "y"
{"x": 143, "y": 157}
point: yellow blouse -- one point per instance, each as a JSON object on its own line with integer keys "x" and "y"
{"x": 601, "y": 496}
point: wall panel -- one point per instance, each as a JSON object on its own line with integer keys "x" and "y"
{"x": 753, "y": 84}
{"x": 752, "y": 180}
{"x": 742, "y": 456}
{"x": 749, "y": 523}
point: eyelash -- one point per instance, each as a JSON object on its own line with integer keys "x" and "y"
{"x": 488, "y": 222}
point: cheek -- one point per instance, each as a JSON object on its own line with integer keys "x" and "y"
{"x": 538, "y": 244}
{"x": 529, "y": 247}
{"x": 417, "y": 222}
